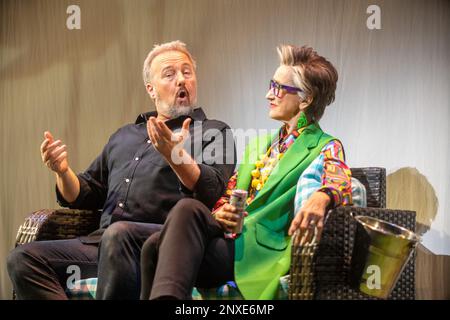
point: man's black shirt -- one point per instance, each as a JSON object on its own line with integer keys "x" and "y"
{"x": 130, "y": 180}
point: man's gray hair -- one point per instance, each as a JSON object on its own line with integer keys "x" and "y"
{"x": 176, "y": 45}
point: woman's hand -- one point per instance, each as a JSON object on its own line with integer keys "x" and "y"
{"x": 228, "y": 217}
{"x": 310, "y": 218}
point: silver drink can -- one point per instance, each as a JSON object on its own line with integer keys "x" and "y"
{"x": 238, "y": 199}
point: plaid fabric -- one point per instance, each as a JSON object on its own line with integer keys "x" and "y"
{"x": 311, "y": 180}
{"x": 283, "y": 290}
{"x": 359, "y": 195}
{"x": 329, "y": 171}
{"x": 228, "y": 291}
{"x": 85, "y": 290}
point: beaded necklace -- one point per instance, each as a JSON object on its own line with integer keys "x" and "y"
{"x": 270, "y": 159}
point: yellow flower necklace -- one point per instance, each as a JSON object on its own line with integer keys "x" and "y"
{"x": 269, "y": 160}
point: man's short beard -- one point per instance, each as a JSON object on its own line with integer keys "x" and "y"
{"x": 173, "y": 111}
{"x": 178, "y": 111}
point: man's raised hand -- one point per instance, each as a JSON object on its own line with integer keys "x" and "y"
{"x": 54, "y": 154}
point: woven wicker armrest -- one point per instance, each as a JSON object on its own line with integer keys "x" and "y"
{"x": 55, "y": 224}
{"x": 322, "y": 271}
{"x": 374, "y": 179}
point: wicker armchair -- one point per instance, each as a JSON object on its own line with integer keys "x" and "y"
{"x": 322, "y": 271}
{"x": 57, "y": 224}
{"x": 318, "y": 272}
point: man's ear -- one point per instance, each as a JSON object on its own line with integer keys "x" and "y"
{"x": 151, "y": 91}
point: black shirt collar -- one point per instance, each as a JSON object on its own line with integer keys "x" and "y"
{"x": 197, "y": 115}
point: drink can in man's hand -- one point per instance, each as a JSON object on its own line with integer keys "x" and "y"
{"x": 238, "y": 200}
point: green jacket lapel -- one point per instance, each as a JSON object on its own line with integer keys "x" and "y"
{"x": 254, "y": 149}
{"x": 293, "y": 157}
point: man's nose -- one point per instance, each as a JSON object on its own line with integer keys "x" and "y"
{"x": 180, "y": 78}
{"x": 270, "y": 96}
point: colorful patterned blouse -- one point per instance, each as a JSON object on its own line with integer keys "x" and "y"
{"x": 328, "y": 173}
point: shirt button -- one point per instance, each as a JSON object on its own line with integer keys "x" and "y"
{"x": 127, "y": 180}
{"x": 121, "y": 204}
{"x": 148, "y": 141}
{"x": 137, "y": 158}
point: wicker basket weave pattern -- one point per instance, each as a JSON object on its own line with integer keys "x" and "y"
{"x": 327, "y": 276}
{"x": 56, "y": 224}
{"x": 333, "y": 256}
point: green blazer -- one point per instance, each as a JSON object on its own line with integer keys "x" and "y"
{"x": 262, "y": 252}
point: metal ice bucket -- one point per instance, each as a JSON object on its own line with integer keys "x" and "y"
{"x": 381, "y": 251}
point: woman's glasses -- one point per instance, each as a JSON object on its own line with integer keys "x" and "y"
{"x": 276, "y": 88}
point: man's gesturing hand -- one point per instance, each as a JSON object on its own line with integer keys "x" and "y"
{"x": 54, "y": 154}
{"x": 164, "y": 140}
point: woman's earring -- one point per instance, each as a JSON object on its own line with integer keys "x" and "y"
{"x": 302, "y": 121}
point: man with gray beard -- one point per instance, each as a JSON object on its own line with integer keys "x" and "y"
{"x": 142, "y": 172}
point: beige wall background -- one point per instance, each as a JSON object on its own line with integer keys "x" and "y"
{"x": 392, "y": 106}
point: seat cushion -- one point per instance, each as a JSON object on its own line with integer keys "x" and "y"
{"x": 85, "y": 290}
{"x": 359, "y": 195}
